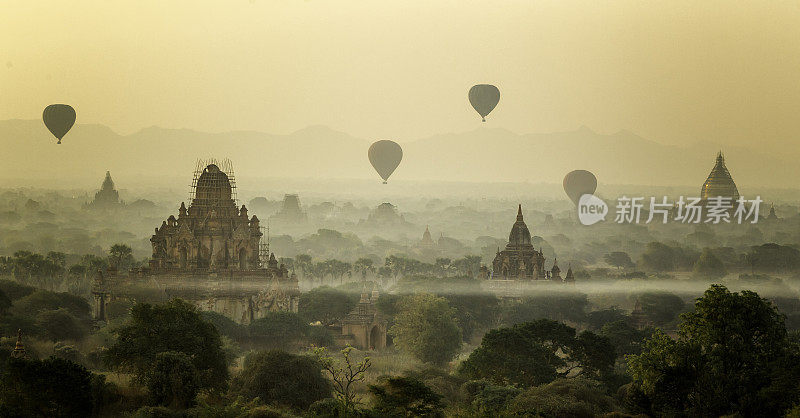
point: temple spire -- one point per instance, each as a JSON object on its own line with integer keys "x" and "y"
{"x": 519, "y": 212}
{"x": 719, "y": 182}
{"x": 19, "y": 349}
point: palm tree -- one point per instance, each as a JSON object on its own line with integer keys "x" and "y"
{"x": 119, "y": 254}
{"x": 303, "y": 263}
{"x": 364, "y": 265}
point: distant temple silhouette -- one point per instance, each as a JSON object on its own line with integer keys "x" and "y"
{"x": 290, "y": 212}
{"x": 520, "y": 260}
{"x": 107, "y": 197}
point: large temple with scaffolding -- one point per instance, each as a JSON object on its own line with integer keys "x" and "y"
{"x": 213, "y": 253}
{"x": 213, "y": 233}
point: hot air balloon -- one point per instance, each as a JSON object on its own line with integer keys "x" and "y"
{"x": 385, "y": 156}
{"x": 59, "y": 119}
{"x": 578, "y": 183}
{"x": 484, "y": 98}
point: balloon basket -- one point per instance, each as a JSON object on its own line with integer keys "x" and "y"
{"x": 385, "y": 182}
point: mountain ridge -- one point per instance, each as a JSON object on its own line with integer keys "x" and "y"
{"x": 485, "y": 154}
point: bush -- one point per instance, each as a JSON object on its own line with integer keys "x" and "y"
{"x": 43, "y": 300}
{"x": 278, "y": 330}
{"x": 283, "y": 379}
{"x": 405, "y": 396}
{"x": 173, "y": 380}
{"x": 60, "y": 325}
{"x": 51, "y": 388}
{"x": 15, "y": 290}
{"x": 426, "y": 328}
{"x": 156, "y": 412}
{"x": 562, "y": 398}
{"x": 173, "y": 326}
{"x": 326, "y": 305}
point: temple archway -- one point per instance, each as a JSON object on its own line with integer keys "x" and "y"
{"x": 375, "y": 338}
{"x": 184, "y": 257}
{"x": 242, "y": 259}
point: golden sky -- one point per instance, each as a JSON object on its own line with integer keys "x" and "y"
{"x": 672, "y": 71}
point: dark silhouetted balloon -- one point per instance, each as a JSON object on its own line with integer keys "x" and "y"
{"x": 385, "y": 156}
{"x": 484, "y": 97}
{"x": 59, "y": 119}
{"x": 578, "y": 183}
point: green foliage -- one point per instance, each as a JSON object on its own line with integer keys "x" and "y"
{"x": 425, "y": 327}
{"x": 597, "y": 319}
{"x": 120, "y": 256}
{"x": 280, "y": 378}
{"x": 45, "y": 388}
{"x": 15, "y": 290}
{"x": 563, "y": 398}
{"x": 538, "y": 352}
{"x": 173, "y": 380}
{"x": 405, "y": 397}
{"x": 117, "y": 309}
{"x": 278, "y": 329}
{"x": 661, "y": 257}
{"x": 42, "y": 300}
{"x": 238, "y": 408}
{"x": 173, "y": 326}
{"x": 474, "y": 312}
{"x": 556, "y": 306}
{"x": 29, "y": 266}
{"x": 327, "y": 408}
{"x": 157, "y": 412}
{"x": 625, "y": 338}
{"x": 442, "y": 382}
{"x": 773, "y": 257}
{"x": 326, "y": 305}
{"x": 226, "y": 326}
{"x": 5, "y": 303}
{"x": 709, "y": 266}
{"x": 103, "y": 394}
{"x": 661, "y": 307}
{"x": 618, "y": 259}
{"x": 60, "y": 325}
{"x": 487, "y": 399}
{"x": 733, "y": 356}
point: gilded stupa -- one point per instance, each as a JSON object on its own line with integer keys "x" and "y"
{"x": 719, "y": 182}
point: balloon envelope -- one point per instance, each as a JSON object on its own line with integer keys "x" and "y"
{"x": 484, "y": 97}
{"x": 385, "y": 156}
{"x": 578, "y": 183}
{"x": 59, "y": 119}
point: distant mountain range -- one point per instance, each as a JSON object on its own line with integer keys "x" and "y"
{"x": 483, "y": 155}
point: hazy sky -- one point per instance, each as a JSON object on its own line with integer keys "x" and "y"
{"x": 673, "y": 71}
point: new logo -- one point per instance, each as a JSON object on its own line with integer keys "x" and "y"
{"x": 591, "y": 209}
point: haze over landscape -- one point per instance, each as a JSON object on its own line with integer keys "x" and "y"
{"x": 292, "y": 209}
{"x": 158, "y": 156}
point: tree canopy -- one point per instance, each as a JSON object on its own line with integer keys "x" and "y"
{"x": 280, "y": 378}
{"x": 733, "y": 356}
{"x": 426, "y": 327}
{"x": 174, "y": 326}
{"x": 46, "y": 388}
{"x": 538, "y": 352}
{"x": 399, "y": 396}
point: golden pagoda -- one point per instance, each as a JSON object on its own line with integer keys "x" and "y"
{"x": 719, "y": 182}
{"x": 19, "y": 348}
